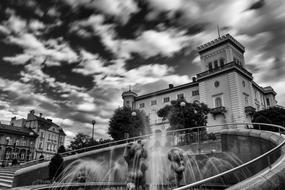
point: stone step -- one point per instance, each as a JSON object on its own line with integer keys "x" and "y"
{"x": 6, "y": 173}
{"x": 6, "y": 177}
{"x": 5, "y": 185}
{"x": 6, "y": 181}
{"x": 7, "y": 170}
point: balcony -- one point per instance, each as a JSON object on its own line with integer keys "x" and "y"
{"x": 218, "y": 111}
{"x": 225, "y": 67}
{"x": 249, "y": 110}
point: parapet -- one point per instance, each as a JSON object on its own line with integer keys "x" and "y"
{"x": 220, "y": 40}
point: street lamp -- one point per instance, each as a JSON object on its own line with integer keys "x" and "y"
{"x": 134, "y": 113}
{"x": 182, "y": 104}
{"x": 93, "y": 123}
{"x": 6, "y": 151}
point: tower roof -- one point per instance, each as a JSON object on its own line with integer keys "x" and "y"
{"x": 129, "y": 93}
{"x": 220, "y": 41}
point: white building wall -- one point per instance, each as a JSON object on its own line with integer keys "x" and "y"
{"x": 237, "y": 110}
{"x": 151, "y": 110}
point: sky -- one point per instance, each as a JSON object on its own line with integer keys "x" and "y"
{"x": 72, "y": 59}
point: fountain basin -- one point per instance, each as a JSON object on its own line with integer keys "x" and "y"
{"x": 245, "y": 143}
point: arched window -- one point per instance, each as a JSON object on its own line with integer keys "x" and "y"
{"x": 216, "y": 64}
{"x": 222, "y": 62}
{"x": 218, "y": 102}
{"x": 210, "y": 66}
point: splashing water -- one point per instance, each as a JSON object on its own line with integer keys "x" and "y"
{"x": 111, "y": 167}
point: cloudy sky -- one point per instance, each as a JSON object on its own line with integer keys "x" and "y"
{"x": 72, "y": 59}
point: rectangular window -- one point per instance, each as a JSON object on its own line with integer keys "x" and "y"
{"x": 166, "y": 99}
{"x": 153, "y": 102}
{"x": 142, "y": 105}
{"x": 267, "y": 102}
{"x": 246, "y": 100}
{"x": 218, "y": 102}
{"x": 180, "y": 96}
{"x": 195, "y": 93}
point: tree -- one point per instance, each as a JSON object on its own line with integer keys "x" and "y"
{"x": 123, "y": 122}
{"x": 273, "y": 115}
{"x": 80, "y": 141}
{"x": 164, "y": 112}
{"x": 189, "y": 115}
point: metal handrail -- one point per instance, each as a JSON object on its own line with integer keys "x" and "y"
{"x": 268, "y": 153}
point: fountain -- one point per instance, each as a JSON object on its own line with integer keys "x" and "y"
{"x": 163, "y": 161}
{"x": 149, "y": 164}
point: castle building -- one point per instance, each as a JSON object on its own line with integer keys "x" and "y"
{"x": 224, "y": 84}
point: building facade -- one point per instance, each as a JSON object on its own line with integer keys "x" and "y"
{"x": 16, "y": 143}
{"x": 50, "y": 135}
{"x": 224, "y": 84}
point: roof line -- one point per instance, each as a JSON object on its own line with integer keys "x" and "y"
{"x": 167, "y": 90}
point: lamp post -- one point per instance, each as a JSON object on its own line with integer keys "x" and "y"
{"x": 93, "y": 123}
{"x": 29, "y": 156}
{"x": 183, "y": 104}
{"x": 6, "y": 151}
{"x": 134, "y": 114}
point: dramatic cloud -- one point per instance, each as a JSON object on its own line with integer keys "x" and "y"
{"x": 72, "y": 59}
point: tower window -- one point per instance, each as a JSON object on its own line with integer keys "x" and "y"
{"x": 222, "y": 62}
{"x": 267, "y": 102}
{"x": 210, "y": 66}
{"x": 195, "y": 93}
{"x": 218, "y": 102}
{"x": 216, "y": 64}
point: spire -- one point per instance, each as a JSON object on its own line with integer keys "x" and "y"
{"x": 218, "y": 28}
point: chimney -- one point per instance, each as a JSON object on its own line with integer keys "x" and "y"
{"x": 171, "y": 86}
{"x": 194, "y": 79}
{"x": 41, "y": 114}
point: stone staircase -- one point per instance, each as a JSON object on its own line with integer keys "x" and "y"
{"x": 6, "y": 176}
